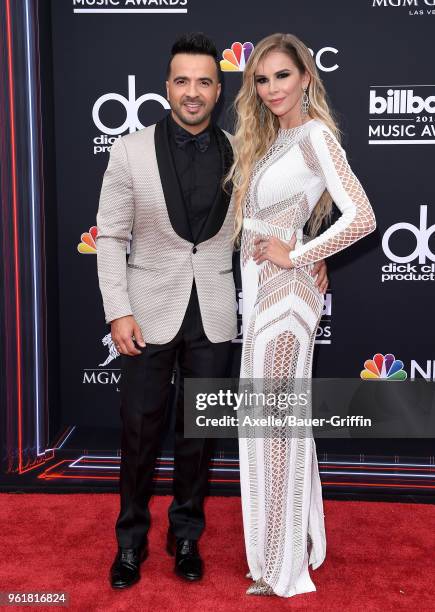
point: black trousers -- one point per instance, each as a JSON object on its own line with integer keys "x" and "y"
{"x": 145, "y": 386}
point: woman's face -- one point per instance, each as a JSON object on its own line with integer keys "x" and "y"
{"x": 280, "y": 84}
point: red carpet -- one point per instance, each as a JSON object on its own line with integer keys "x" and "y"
{"x": 380, "y": 557}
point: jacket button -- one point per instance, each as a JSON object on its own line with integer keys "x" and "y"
{"x": 194, "y": 250}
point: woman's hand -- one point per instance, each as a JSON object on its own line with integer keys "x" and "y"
{"x": 277, "y": 251}
{"x": 270, "y": 248}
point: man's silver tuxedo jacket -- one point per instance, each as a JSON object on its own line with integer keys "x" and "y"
{"x": 141, "y": 196}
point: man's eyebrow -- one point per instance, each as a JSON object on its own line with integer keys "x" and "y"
{"x": 204, "y": 78}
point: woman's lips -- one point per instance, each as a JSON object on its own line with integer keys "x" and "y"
{"x": 277, "y": 101}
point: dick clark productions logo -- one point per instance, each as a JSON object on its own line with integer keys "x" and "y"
{"x": 422, "y": 257}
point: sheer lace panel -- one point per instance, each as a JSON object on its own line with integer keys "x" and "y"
{"x": 357, "y": 219}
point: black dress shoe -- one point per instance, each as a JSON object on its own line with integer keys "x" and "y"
{"x": 125, "y": 570}
{"x": 188, "y": 563}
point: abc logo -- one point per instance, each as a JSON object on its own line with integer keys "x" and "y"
{"x": 422, "y": 235}
{"x": 131, "y": 105}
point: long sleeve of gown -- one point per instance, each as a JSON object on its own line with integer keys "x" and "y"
{"x": 357, "y": 218}
{"x": 115, "y": 221}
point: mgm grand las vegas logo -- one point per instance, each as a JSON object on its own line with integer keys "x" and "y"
{"x": 105, "y": 374}
{"x": 415, "y": 7}
{"x": 401, "y": 114}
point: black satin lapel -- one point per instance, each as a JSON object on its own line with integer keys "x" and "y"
{"x": 170, "y": 183}
{"x": 219, "y": 210}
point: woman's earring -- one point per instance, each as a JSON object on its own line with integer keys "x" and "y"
{"x": 305, "y": 103}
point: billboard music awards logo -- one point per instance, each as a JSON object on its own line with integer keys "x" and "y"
{"x": 415, "y": 7}
{"x": 130, "y": 6}
{"x": 415, "y": 261}
{"x": 402, "y": 114}
{"x": 323, "y": 333}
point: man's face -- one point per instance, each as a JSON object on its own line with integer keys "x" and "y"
{"x": 193, "y": 90}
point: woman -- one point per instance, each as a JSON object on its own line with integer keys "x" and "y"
{"x": 288, "y": 168}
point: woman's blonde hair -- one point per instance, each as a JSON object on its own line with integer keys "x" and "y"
{"x": 255, "y": 134}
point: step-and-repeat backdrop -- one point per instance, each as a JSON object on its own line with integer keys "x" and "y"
{"x": 375, "y": 59}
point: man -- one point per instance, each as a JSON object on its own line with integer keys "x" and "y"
{"x": 174, "y": 300}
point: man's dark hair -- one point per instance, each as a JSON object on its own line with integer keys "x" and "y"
{"x": 195, "y": 43}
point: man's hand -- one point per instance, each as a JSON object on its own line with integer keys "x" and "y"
{"x": 122, "y": 330}
{"x": 322, "y": 280}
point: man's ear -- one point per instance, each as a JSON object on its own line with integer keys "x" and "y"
{"x": 219, "y": 89}
{"x": 167, "y": 90}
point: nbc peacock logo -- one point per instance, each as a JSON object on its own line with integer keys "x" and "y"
{"x": 88, "y": 246}
{"x": 234, "y": 59}
{"x": 383, "y": 367}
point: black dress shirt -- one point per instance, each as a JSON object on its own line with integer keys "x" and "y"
{"x": 199, "y": 174}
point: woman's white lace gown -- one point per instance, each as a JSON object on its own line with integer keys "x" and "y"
{"x": 280, "y": 484}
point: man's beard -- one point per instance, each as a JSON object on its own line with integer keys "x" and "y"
{"x": 187, "y": 119}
